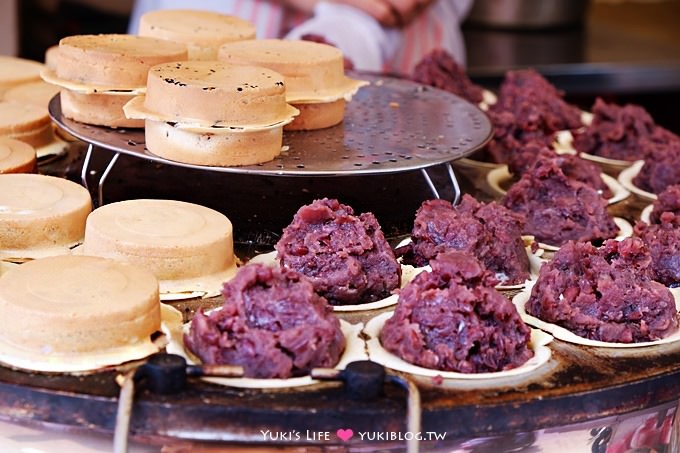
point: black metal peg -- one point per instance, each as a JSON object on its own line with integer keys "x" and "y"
{"x": 163, "y": 373}
{"x": 364, "y": 380}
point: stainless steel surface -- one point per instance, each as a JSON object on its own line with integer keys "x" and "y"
{"x": 391, "y": 126}
{"x": 414, "y": 410}
{"x": 85, "y": 172}
{"x": 126, "y": 399}
{"x": 452, "y": 179}
{"x": 528, "y": 13}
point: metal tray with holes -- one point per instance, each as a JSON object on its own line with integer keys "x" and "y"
{"x": 390, "y": 126}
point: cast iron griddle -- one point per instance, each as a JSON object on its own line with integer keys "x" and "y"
{"x": 578, "y": 384}
{"x": 390, "y": 126}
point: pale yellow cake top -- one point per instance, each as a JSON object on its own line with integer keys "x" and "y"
{"x": 17, "y": 117}
{"x": 40, "y": 215}
{"x": 213, "y": 93}
{"x": 312, "y": 71}
{"x": 204, "y": 28}
{"x": 14, "y": 71}
{"x": 149, "y": 225}
{"x": 112, "y": 59}
{"x": 81, "y": 287}
{"x": 188, "y": 247}
{"x": 36, "y": 93}
{"x": 15, "y": 154}
{"x": 70, "y": 313}
{"x": 26, "y": 196}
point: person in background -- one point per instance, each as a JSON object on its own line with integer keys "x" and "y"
{"x": 388, "y": 36}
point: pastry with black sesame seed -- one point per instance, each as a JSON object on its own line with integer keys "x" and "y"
{"x": 314, "y": 75}
{"x": 213, "y": 113}
{"x": 98, "y": 74}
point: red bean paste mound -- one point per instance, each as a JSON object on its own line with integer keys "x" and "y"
{"x": 572, "y": 166}
{"x": 489, "y": 232}
{"x": 529, "y": 109}
{"x": 667, "y": 201}
{"x": 558, "y": 209}
{"x": 512, "y": 133}
{"x": 272, "y": 323}
{"x": 661, "y": 168}
{"x": 663, "y": 242}
{"x": 604, "y": 294}
{"x": 346, "y": 257}
{"x": 452, "y": 319}
{"x": 617, "y": 132}
{"x": 534, "y": 100}
{"x": 440, "y": 70}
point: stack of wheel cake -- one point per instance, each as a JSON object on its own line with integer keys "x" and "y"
{"x": 213, "y": 113}
{"x": 314, "y": 74}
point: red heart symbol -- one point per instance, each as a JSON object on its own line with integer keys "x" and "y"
{"x": 345, "y": 434}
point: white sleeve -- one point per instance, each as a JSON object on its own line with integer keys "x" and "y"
{"x": 360, "y": 37}
{"x": 372, "y": 47}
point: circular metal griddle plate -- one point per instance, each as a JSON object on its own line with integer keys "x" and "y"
{"x": 390, "y": 126}
{"x": 579, "y": 384}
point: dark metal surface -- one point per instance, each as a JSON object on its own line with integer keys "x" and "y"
{"x": 528, "y": 14}
{"x": 390, "y": 126}
{"x": 623, "y": 47}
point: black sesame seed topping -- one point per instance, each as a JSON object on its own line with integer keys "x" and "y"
{"x": 175, "y": 82}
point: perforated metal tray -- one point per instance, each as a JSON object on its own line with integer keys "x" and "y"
{"x": 390, "y": 126}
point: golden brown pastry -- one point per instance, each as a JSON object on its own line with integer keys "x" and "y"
{"x": 41, "y": 215}
{"x": 203, "y": 32}
{"x": 16, "y": 156}
{"x": 72, "y": 307}
{"x": 188, "y": 247}
{"x": 314, "y": 74}
{"x": 100, "y": 73}
{"x": 213, "y": 113}
{"x": 25, "y": 122}
{"x": 15, "y": 71}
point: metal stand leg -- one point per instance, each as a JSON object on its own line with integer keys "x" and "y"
{"x": 102, "y": 179}
{"x": 413, "y": 411}
{"x": 429, "y": 182}
{"x": 125, "y": 400}
{"x": 164, "y": 374}
{"x": 86, "y": 166}
{"x": 452, "y": 179}
{"x": 100, "y": 186}
{"x": 454, "y": 182}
